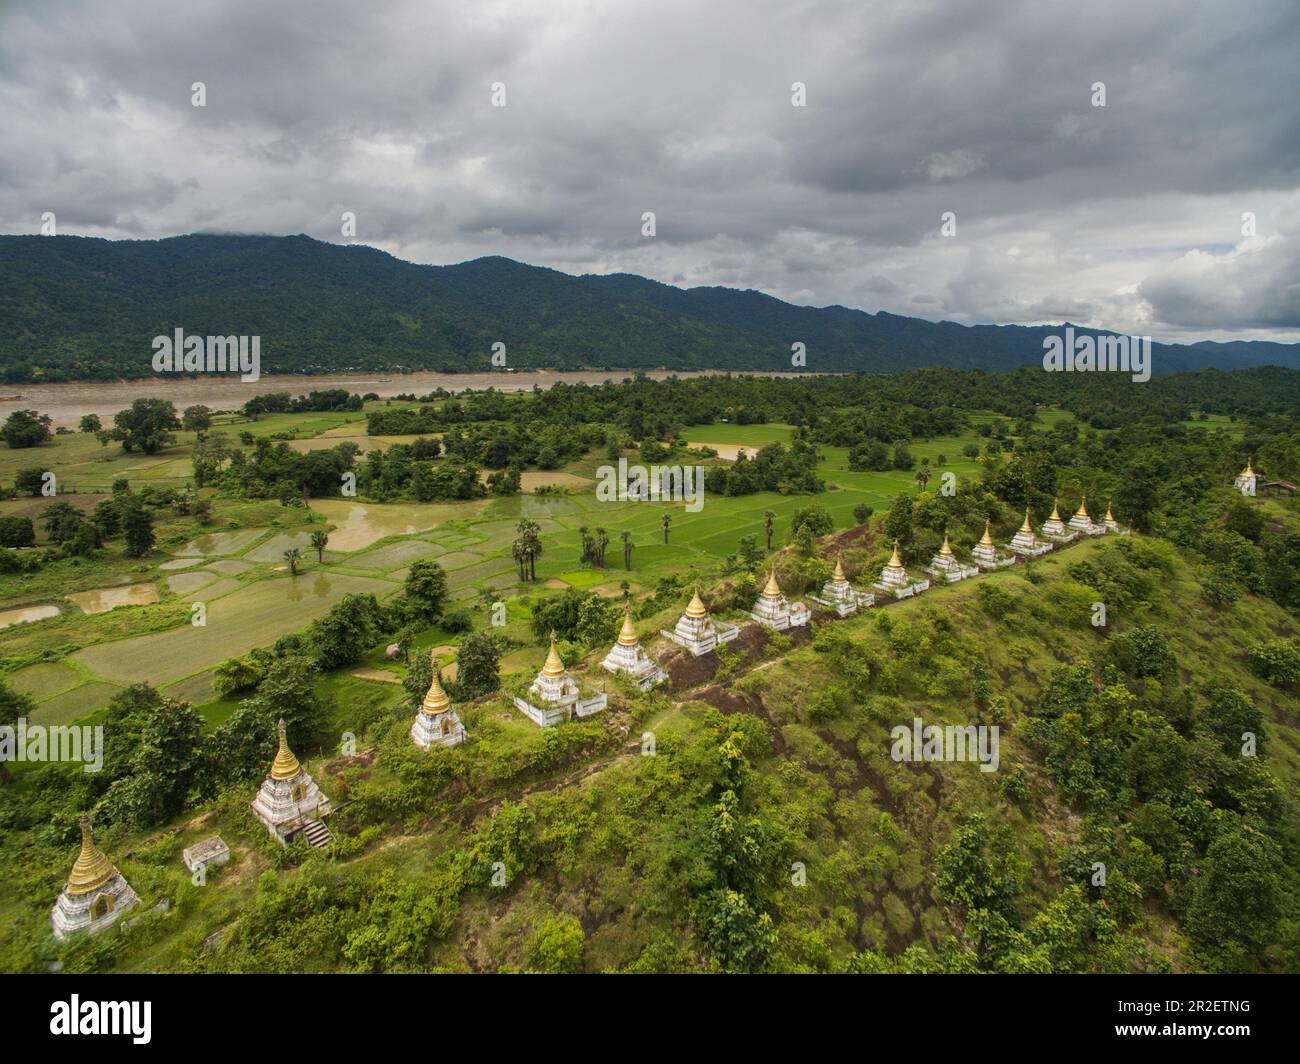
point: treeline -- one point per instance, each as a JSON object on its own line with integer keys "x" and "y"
{"x": 326, "y": 400}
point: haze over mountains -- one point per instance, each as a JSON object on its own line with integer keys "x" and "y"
{"x": 76, "y": 307}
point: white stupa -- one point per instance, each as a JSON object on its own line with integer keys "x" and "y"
{"x": 95, "y": 895}
{"x": 895, "y": 581}
{"x": 948, "y": 567}
{"x": 985, "y": 553}
{"x": 1111, "y": 525}
{"x": 437, "y": 723}
{"x": 289, "y": 800}
{"x": 839, "y": 595}
{"x": 697, "y": 631}
{"x": 1026, "y": 544}
{"x": 1081, "y": 522}
{"x": 772, "y": 610}
{"x": 1054, "y": 528}
{"x": 626, "y": 656}
{"x": 1247, "y": 480}
{"x": 556, "y": 696}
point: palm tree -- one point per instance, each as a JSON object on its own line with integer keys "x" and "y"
{"x": 519, "y": 552}
{"x": 922, "y": 479}
{"x": 292, "y": 556}
{"x": 319, "y": 539}
{"x": 600, "y": 543}
{"x": 627, "y": 550}
{"x": 768, "y": 518}
{"x": 667, "y": 520}
{"x": 530, "y": 535}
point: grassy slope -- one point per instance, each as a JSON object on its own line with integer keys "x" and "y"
{"x": 611, "y": 823}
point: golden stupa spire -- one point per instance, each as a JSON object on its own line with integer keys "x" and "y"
{"x": 436, "y": 700}
{"x": 1025, "y": 527}
{"x": 945, "y": 550}
{"x": 1056, "y": 510}
{"x": 1249, "y": 471}
{"x": 773, "y": 589}
{"x": 92, "y": 869}
{"x": 838, "y": 576}
{"x": 1083, "y": 508}
{"x": 696, "y": 608}
{"x": 285, "y": 766}
{"x": 1109, "y": 515}
{"x": 895, "y": 562}
{"x": 554, "y": 667}
{"x": 986, "y": 540}
{"x": 628, "y": 635}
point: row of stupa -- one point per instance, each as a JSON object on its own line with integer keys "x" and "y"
{"x": 289, "y": 801}
{"x": 555, "y": 695}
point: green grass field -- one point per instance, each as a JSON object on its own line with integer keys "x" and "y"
{"x": 238, "y": 570}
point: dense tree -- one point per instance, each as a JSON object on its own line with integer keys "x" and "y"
{"x": 25, "y": 428}
{"x": 350, "y": 627}
{"x": 137, "y": 526}
{"x": 477, "y": 666}
{"x": 147, "y": 426}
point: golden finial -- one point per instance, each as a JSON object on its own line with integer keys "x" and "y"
{"x": 628, "y": 635}
{"x": 838, "y": 576}
{"x": 895, "y": 562}
{"x": 285, "y": 766}
{"x": 1109, "y": 515}
{"x": 945, "y": 550}
{"x": 554, "y": 667}
{"x": 92, "y": 869}
{"x": 1249, "y": 471}
{"x": 1025, "y": 527}
{"x": 1083, "y": 508}
{"x": 773, "y": 589}
{"x": 436, "y": 700}
{"x": 986, "y": 540}
{"x": 1056, "y": 510}
{"x": 696, "y": 608}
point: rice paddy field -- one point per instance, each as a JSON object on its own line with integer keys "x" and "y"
{"x": 78, "y": 631}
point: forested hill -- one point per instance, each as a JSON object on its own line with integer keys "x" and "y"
{"x": 76, "y": 307}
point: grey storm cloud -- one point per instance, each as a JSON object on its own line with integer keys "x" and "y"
{"x": 1127, "y": 216}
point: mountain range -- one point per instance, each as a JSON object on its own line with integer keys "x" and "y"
{"x": 81, "y": 307}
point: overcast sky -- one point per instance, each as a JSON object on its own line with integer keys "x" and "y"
{"x": 1127, "y": 216}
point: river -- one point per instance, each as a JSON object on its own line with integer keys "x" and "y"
{"x": 66, "y": 402}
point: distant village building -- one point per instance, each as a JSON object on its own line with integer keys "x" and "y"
{"x": 555, "y": 696}
{"x": 289, "y": 801}
{"x": 1026, "y": 544}
{"x": 627, "y": 656}
{"x": 1247, "y": 480}
{"x": 895, "y": 581}
{"x": 772, "y": 610}
{"x": 697, "y": 631}
{"x": 839, "y": 595}
{"x": 437, "y": 723}
{"x": 948, "y": 567}
{"x": 95, "y": 895}
{"x": 985, "y": 553}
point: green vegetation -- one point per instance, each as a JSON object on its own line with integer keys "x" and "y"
{"x": 1142, "y": 818}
